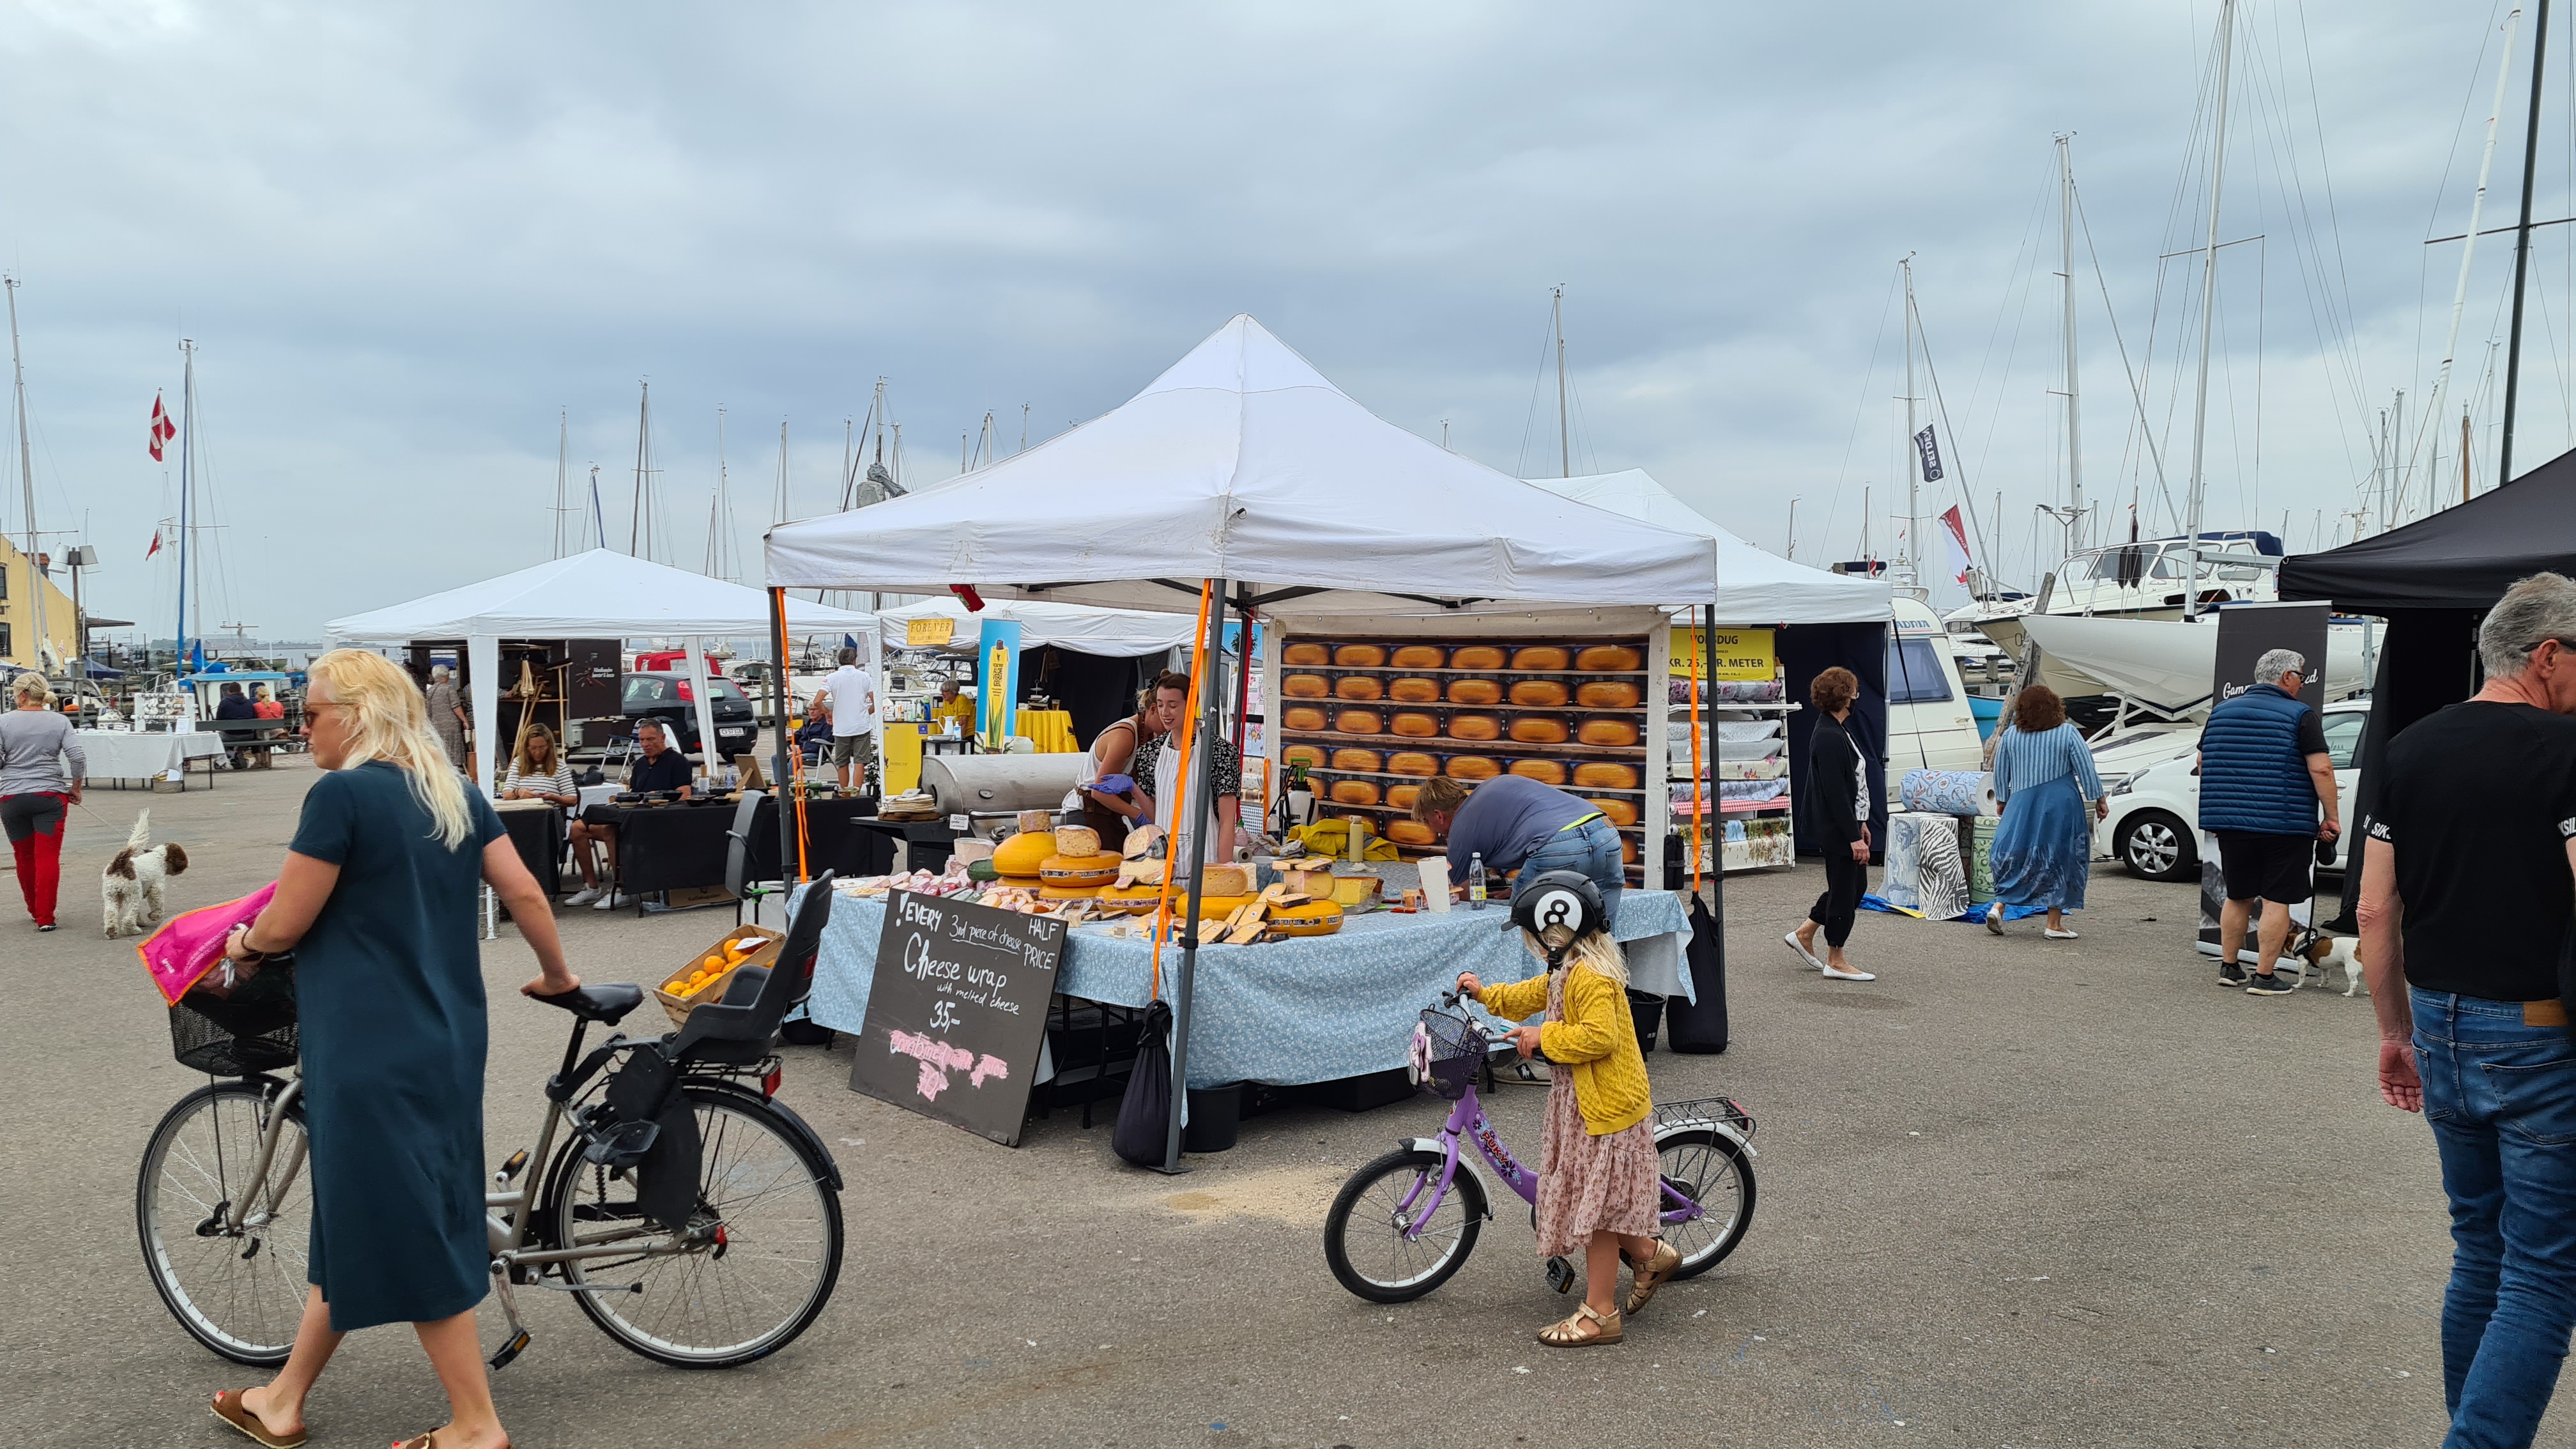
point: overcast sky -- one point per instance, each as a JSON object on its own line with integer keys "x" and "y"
{"x": 407, "y": 238}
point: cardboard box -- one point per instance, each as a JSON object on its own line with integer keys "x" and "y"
{"x": 678, "y": 1007}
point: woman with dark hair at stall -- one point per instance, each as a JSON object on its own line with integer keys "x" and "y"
{"x": 2043, "y": 850}
{"x": 1838, "y": 789}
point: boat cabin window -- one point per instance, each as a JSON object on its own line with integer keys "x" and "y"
{"x": 2076, "y": 570}
{"x": 2240, "y": 569}
{"x": 2343, "y": 738}
{"x": 1914, "y": 673}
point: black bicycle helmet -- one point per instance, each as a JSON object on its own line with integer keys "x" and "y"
{"x": 1558, "y": 898}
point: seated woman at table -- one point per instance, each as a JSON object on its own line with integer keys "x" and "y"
{"x": 954, "y": 706}
{"x": 537, "y": 772}
{"x": 661, "y": 768}
{"x": 1519, "y": 824}
{"x": 266, "y": 706}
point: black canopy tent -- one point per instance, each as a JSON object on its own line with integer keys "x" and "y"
{"x": 2433, "y": 581}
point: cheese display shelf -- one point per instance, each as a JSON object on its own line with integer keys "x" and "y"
{"x": 1369, "y": 717}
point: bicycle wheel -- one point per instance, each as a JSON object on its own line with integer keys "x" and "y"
{"x": 239, "y": 1292}
{"x": 1364, "y": 1233}
{"x": 759, "y": 1259}
{"x": 1711, "y": 1170}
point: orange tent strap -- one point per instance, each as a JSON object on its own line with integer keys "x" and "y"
{"x": 1181, "y": 782}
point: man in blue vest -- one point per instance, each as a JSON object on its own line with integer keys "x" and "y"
{"x": 2264, "y": 770}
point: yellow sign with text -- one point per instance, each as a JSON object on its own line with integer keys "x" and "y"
{"x": 1741, "y": 654}
{"x": 929, "y": 633}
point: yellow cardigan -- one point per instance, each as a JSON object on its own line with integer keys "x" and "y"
{"x": 1598, "y": 1039}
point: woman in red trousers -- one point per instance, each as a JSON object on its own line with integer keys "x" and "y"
{"x": 37, "y": 790}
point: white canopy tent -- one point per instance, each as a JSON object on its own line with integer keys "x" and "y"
{"x": 1754, "y": 587}
{"x": 594, "y": 595}
{"x": 1114, "y": 633}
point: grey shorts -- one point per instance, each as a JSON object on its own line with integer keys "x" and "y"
{"x": 859, "y": 748}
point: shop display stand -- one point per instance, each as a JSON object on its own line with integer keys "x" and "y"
{"x": 1735, "y": 856}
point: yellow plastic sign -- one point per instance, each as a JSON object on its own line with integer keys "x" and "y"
{"x": 931, "y": 633}
{"x": 1741, "y": 654}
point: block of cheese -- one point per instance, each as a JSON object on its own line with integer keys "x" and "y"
{"x": 1310, "y": 756}
{"x": 1305, "y": 653}
{"x": 1475, "y": 727}
{"x": 1475, "y": 691}
{"x": 1364, "y": 762}
{"x": 1418, "y": 656}
{"x": 1226, "y": 880}
{"x": 1408, "y": 762}
{"x": 1076, "y": 841}
{"x": 1410, "y": 832}
{"x": 1401, "y": 797}
{"x": 1359, "y": 722}
{"x": 1538, "y": 693}
{"x": 1615, "y": 733}
{"x": 1602, "y": 775}
{"x": 1304, "y": 717}
{"x": 1413, "y": 690}
{"x": 1360, "y": 656}
{"x": 1359, "y": 686}
{"x": 1539, "y": 656}
{"x": 1621, "y": 812}
{"x": 1538, "y": 729}
{"x": 1354, "y": 792}
{"x": 1305, "y": 686}
{"x": 1601, "y": 657}
{"x": 1476, "y": 656}
{"x": 1413, "y": 724}
{"x": 1606, "y": 694}
{"x": 1022, "y": 854}
{"x": 1472, "y": 767}
{"x": 1546, "y": 772}
{"x": 1353, "y": 891}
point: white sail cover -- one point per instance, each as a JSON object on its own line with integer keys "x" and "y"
{"x": 1754, "y": 587}
{"x": 1115, "y": 633}
{"x": 595, "y": 595}
{"x": 1242, "y": 462}
{"x": 2168, "y": 663}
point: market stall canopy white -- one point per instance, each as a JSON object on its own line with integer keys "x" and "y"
{"x": 1754, "y": 587}
{"x": 1241, "y": 462}
{"x": 1114, "y": 633}
{"x": 596, "y": 595}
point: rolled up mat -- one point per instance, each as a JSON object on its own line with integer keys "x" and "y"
{"x": 1940, "y": 880}
{"x": 1903, "y": 858}
{"x": 1948, "y": 792}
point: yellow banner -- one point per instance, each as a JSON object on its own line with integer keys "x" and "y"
{"x": 930, "y": 633}
{"x": 1742, "y": 654}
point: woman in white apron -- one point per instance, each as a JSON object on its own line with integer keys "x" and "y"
{"x": 1223, "y": 818}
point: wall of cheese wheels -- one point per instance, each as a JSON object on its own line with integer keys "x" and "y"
{"x": 1371, "y": 718}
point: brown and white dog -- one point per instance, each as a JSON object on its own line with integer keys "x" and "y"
{"x": 131, "y": 883}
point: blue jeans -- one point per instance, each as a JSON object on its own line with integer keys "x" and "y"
{"x": 1587, "y": 850}
{"x": 2501, "y": 1097}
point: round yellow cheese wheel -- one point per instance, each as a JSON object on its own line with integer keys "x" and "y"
{"x": 1412, "y": 690}
{"x": 1410, "y": 832}
{"x": 1360, "y": 762}
{"x": 1546, "y": 772}
{"x": 1419, "y": 656}
{"x": 1305, "y": 653}
{"x": 1621, "y": 812}
{"x": 1596, "y": 775}
{"x": 1414, "y": 724}
{"x": 1475, "y": 727}
{"x": 1540, "y": 656}
{"x": 1475, "y": 691}
{"x": 1538, "y": 693}
{"x": 1607, "y": 657}
{"x": 1314, "y": 918}
{"x": 1359, "y": 722}
{"x": 1476, "y": 656}
{"x": 1359, "y": 687}
{"x": 1607, "y": 694}
{"x": 1024, "y": 853}
{"x": 1360, "y": 656}
{"x": 1305, "y": 717}
{"x": 1354, "y": 792}
{"x": 1409, "y": 762}
{"x": 1472, "y": 767}
{"x": 1401, "y": 797}
{"x": 1612, "y": 733}
{"x": 1538, "y": 729}
{"x": 1305, "y": 686}
{"x": 1077, "y": 870}
{"x": 1310, "y": 756}
{"x": 1067, "y": 893}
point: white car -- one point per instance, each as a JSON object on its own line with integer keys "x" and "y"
{"x": 2152, "y": 827}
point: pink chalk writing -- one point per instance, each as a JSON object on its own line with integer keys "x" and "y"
{"x": 938, "y": 1059}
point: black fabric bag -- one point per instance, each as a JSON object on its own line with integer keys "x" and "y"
{"x": 1701, "y": 1026}
{"x": 665, "y": 1160}
{"x": 1145, "y": 1115}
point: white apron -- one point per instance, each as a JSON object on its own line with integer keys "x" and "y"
{"x": 1167, "y": 766}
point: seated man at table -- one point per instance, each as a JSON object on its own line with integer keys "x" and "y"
{"x": 236, "y": 705}
{"x": 1519, "y": 824}
{"x": 661, "y": 768}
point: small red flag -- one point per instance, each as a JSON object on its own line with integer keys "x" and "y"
{"x": 156, "y": 533}
{"x": 162, "y": 431}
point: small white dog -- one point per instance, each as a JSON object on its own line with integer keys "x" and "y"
{"x": 131, "y": 883}
{"x": 2328, "y": 952}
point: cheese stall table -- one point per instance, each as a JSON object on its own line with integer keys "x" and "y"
{"x": 1317, "y": 1009}
{"x": 141, "y": 754}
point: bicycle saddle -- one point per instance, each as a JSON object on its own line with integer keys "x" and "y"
{"x": 598, "y": 1003}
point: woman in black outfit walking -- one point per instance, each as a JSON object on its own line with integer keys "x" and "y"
{"x": 1838, "y": 783}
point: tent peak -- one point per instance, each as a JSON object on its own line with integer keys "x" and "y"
{"x": 1242, "y": 356}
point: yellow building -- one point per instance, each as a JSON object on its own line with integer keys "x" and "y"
{"x": 18, "y": 615}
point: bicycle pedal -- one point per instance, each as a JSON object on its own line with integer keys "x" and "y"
{"x": 517, "y": 1345}
{"x": 1560, "y": 1275}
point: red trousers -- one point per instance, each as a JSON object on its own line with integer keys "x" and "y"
{"x": 35, "y": 828}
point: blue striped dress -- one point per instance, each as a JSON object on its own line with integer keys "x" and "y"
{"x": 2043, "y": 851}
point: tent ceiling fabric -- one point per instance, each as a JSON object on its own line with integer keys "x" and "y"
{"x": 1115, "y": 633}
{"x": 596, "y": 595}
{"x": 1242, "y": 462}
{"x": 2463, "y": 557}
{"x": 1754, "y": 587}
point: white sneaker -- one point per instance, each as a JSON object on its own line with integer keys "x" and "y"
{"x": 614, "y": 902}
{"x": 2057, "y": 935}
{"x": 1833, "y": 975}
{"x": 582, "y": 897}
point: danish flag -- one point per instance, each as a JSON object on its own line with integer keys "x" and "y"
{"x": 162, "y": 428}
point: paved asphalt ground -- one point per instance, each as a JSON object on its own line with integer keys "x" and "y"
{"x": 2012, "y": 1193}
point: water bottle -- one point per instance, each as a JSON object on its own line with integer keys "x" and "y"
{"x": 1476, "y": 881}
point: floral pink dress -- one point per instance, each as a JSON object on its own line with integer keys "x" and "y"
{"x": 1589, "y": 1184}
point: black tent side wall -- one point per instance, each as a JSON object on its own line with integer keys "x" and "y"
{"x": 2428, "y": 660}
{"x": 1807, "y": 650}
{"x": 1094, "y": 688}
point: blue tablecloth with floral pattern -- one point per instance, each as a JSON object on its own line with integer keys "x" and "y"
{"x": 1317, "y": 1009}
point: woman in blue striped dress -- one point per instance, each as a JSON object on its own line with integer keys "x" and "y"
{"x": 2043, "y": 850}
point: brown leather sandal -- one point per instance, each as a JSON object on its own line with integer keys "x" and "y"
{"x": 1571, "y": 1334}
{"x": 1658, "y": 1271}
{"x": 429, "y": 1441}
{"x": 228, "y": 1407}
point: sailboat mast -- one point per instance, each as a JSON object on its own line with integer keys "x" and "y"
{"x": 2066, "y": 273}
{"x": 635, "y": 512}
{"x": 1564, "y": 437}
{"x": 187, "y": 487}
{"x": 1914, "y": 468}
{"x": 598, "y": 515}
{"x": 26, "y": 478}
{"x": 563, "y": 465}
{"x": 2477, "y": 207}
{"x": 2522, "y": 245}
{"x": 2208, "y": 309}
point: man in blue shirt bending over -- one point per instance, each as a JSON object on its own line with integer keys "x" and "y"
{"x": 1517, "y": 823}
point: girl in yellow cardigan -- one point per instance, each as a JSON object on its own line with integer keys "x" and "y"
{"x": 1599, "y": 1191}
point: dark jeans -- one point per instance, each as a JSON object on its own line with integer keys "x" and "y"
{"x": 2501, "y": 1098}
{"x": 1588, "y": 850}
{"x": 1846, "y": 881}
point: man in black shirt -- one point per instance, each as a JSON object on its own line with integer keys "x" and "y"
{"x": 662, "y": 768}
{"x": 2468, "y": 888}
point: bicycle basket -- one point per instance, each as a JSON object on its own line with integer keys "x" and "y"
{"x": 237, "y": 1029}
{"x": 1452, "y": 1048}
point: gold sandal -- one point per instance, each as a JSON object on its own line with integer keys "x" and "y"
{"x": 1657, "y": 1271}
{"x": 1570, "y": 1334}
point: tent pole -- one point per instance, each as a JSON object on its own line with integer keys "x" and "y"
{"x": 1717, "y": 836}
{"x": 1197, "y": 802}
{"x": 782, "y": 779}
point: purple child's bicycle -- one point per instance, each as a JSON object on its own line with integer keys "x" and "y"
{"x": 1407, "y": 1221}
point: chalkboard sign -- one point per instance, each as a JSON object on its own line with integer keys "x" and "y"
{"x": 957, "y": 1014}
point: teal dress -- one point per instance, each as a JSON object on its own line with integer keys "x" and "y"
{"x": 389, "y": 997}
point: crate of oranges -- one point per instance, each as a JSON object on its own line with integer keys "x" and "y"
{"x": 703, "y": 976}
